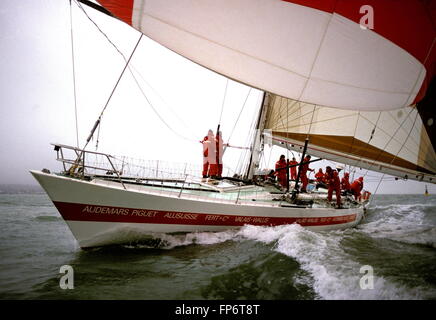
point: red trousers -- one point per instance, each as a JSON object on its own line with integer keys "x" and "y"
{"x": 213, "y": 169}
{"x": 356, "y": 194}
{"x": 304, "y": 181}
{"x": 337, "y": 190}
{"x": 205, "y": 168}
{"x": 220, "y": 170}
{"x": 282, "y": 179}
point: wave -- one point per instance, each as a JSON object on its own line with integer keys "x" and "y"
{"x": 412, "y": 224}
{"x": 402, "y": 209}
{"x": 336, "y": 274}
{"x": 171, "y": 241}
{"x": 333, "y": 259}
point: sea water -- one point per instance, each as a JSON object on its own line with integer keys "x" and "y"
{"x": 390, "y": 255}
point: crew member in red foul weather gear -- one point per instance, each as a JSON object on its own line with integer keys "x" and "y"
{"x": 345, "y": 183}
{"x": 321, "y": 181}
{"x": 304, "y": 169}
{"x": 334, "y": 185}
{"x": 319, "y": 176}
{"x": 293, "y": 169}
{"x": 356, "y": 188}
{"x": 211, "y": 156}
{"x": 205, "y": 162}
{"x": 219, "y": 153}
{"x": 207, "y": 151}
{"x": 281, "y": 170}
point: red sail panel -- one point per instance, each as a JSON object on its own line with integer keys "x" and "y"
{"x": 121, "y": 9}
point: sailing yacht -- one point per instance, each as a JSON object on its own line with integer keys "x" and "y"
{"x": 334, "y": 87}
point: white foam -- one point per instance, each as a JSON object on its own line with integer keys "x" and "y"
{"x": 336, "y": 275}
{"x": 170, "y": 241}
{"x": 405, "y": 223}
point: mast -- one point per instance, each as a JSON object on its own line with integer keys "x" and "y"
{"x": 300, "y": 166}
{"x": 257, "y": 138}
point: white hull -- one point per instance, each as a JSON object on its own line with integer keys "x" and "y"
{"x": 101, "y": 212}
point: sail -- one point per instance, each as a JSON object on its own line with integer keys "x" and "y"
{"x": 395, "y": 142}
{"x": 313, "y": 51}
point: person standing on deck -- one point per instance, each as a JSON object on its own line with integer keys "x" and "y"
{"x": 293, "y": 170}
{"x": 319, "y": 176}
{"x": 281, "y": 167}
{"x": 334, "y": 185}
{"x": 207, "y": 142}
{"x": 304, "y": 169}
{"x": 211, "y": 155}
{"x": 219, "y": 153}
{"x": 345, "y": 183}
{"x": 205, "y": 162}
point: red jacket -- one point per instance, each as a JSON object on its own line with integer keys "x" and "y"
{"x": 345, "y": 183}
{"x": 219, "y": 149}
{"x": 319, "y": 176}
{"x": 305, "y": 167}
{"x": 293, "y": 169}
{"x": 357, "y": 186}
{"x": 333, "y": 180}
{"x": 281, "y": 164}
{"x": 205, "y": 148}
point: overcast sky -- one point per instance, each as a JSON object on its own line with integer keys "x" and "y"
{"x": 37, "y": 97}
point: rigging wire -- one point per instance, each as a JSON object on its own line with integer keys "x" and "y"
{"x": 219, "y": 122}
{"x": 369, "y": 140}
{"x": 352, "y": 144}
{"x": 287, "y": 138}
{"x": 74, "y": 74}
{"x": 239, "y": 115}
{"x": 133, "y": 76}
{"x": 145, "y": 96}
{"x": 405, "y": 140}
{"x": 371, "y": 136}
{"x": 412, "y": 141}
{"x": 311, "y": 121}
{"x": 163, "y": 100}
{"x": 113, "y": 90}
{"x": 96, "y": 25}
{"x": 98, "y": 136}
{"x": 393, "y": 136}
{"x": 224, "y": 100}
{"x": 244, "y": 157}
